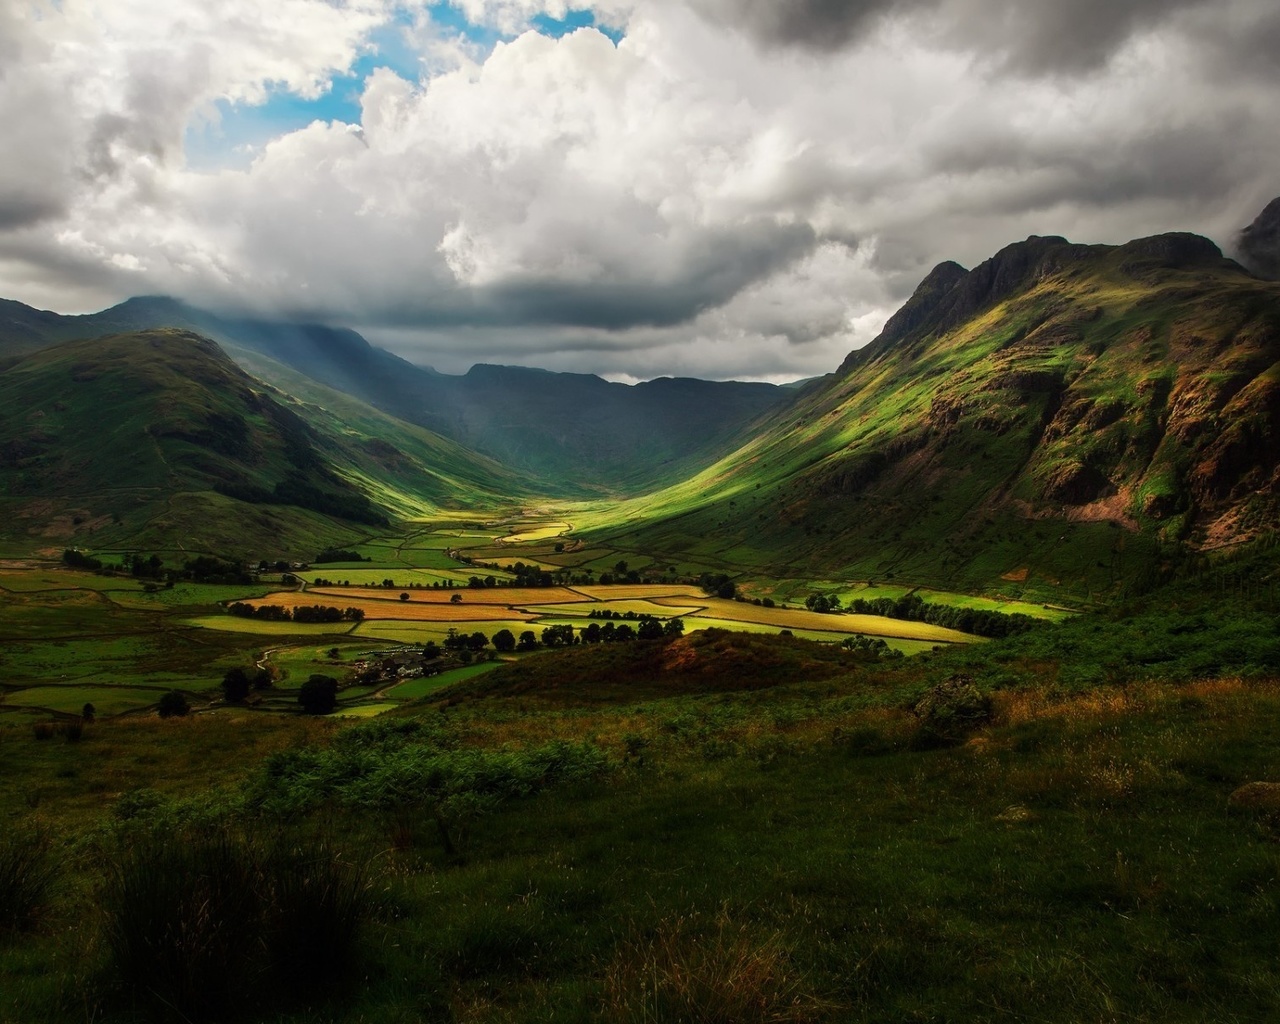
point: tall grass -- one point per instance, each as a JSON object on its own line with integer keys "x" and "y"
{"x": 184, "y": 924}
{"x": 199, "y": 926}
{"x": 27, "y": 876}
{"x": 686, "y": 972}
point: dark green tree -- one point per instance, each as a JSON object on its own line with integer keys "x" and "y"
{"x": 318, "y": 695}
{"x": 173, "y": 705}
{"x": 235, "y": 685}
{"x": 504, "y": 640}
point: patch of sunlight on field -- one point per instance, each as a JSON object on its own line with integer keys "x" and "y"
{"x": 415, "y": 688}
{"x": 412, "y": 611}
{"x": 1008, "y": 606}
{"x": 538, "y": 533}
{"x": 402, "y": 577}
{"x": 420, "y": 632}
{"x": 642, "y": 591}
{"x": 363, "y": 710}
{"x": 585, "y": 608}
{"x": 790, "y": 618}
{"x": 235, "y": 624}
{"x": 504, "y": 597}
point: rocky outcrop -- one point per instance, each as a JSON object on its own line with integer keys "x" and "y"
{"x": 1259, "y": 243}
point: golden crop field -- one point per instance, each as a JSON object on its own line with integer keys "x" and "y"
{"x": 502, "y": 596}
{"x": 643, "y": 592}
{"x": 425, "y": 611}
{"x": 583, "y": 608}
{"x": 871, "y": 625}
{"x": 535, "y": 533}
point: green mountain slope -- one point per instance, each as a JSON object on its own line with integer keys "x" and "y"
{"x": 579, "y": 433}
{"x": 158, "y": 437}
{"x": 1057, "y": 419}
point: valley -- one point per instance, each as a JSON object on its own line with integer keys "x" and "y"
{"x": 942, "y": 687}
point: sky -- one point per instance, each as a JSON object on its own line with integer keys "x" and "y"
{"x": 636, "y": 188}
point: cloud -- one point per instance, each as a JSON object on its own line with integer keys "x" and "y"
{"x": 736, "y": 188}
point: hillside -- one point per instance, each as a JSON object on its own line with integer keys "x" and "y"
{"x": 1053, "y": 421}
{"x": 142, "y": 438}
{"x": 579, "y": 433}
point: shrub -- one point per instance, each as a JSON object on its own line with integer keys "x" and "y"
{"x": 173, "y": 705}
{"x": 27, "y": 874}
{"x": 950, "y": 711}
{"x": 318, "y": 695}
{"x": 44, "y": 730}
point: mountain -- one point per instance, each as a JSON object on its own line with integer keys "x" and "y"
{"x": 1056, "y": 420}
{"x": 579, "y": 433}
{"x": 134, "y": 439}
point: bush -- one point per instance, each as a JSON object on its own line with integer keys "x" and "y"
{"x": 173, "y": 705}
{"x": 318, "y": 695}
{"x": 950, "y": 711}
{"x": 27, "y": 874}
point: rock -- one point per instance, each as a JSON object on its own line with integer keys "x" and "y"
{"x": 1259, "y": 243}
{"x": 1256, "y": 796}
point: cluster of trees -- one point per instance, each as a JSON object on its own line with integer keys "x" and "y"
{"x": 717, "y": 584}
{"x": 977, "y": 621}
{"x": 870, "y": 645}
{"x": 238, "y": 681}
{"x": 338, "y": 555}
{"x": 303, "y": 613}
{"x": 201, "y": 569}
{"x": 822, "y": 603}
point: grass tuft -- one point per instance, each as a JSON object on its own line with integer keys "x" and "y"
{"x": 27, "y": 876}
{"x": 687, "y": 972}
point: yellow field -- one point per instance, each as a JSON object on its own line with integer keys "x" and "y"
{"x": 410, "y": 611}
{"x": 584, "y": 608}
{"x": 643, "y": 592}
{"x": 791, "y": 618}
{"x": 503, "y": 596}
{"x": 235, "y": 624}
{"x": 537, "y": 533}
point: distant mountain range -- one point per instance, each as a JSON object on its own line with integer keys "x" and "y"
{"x": 580, "y": 434}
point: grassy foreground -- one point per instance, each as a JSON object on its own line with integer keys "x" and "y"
{"x": 770, "y": 830}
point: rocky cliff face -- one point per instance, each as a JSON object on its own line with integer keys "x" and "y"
{"x": 1260, "y": 243}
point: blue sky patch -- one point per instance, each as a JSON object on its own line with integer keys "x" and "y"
{"x": 241, "y": 130}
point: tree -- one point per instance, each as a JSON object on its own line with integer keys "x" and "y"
{"x": 235, "y": 685}
{"x": 404, "y": 597}
{"x": 456, "y": 599}
{"x": 318, "y": 695}
{"x": 173, "y": 705}
{"x": 88, "y": 712}
{"x": 673, "y": 628}
{"x": 263, "y": 680}
{"x": 557, "y": 636}
{"x": 527, "y": 641}
{"x": 650, "y": 629}
{"x": 504, "y": 640}
{"x": 477, "y": 641}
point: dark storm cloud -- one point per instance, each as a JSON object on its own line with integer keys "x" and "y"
{"x": 1030, "y": 37}
{"x": 819, "y": 24}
